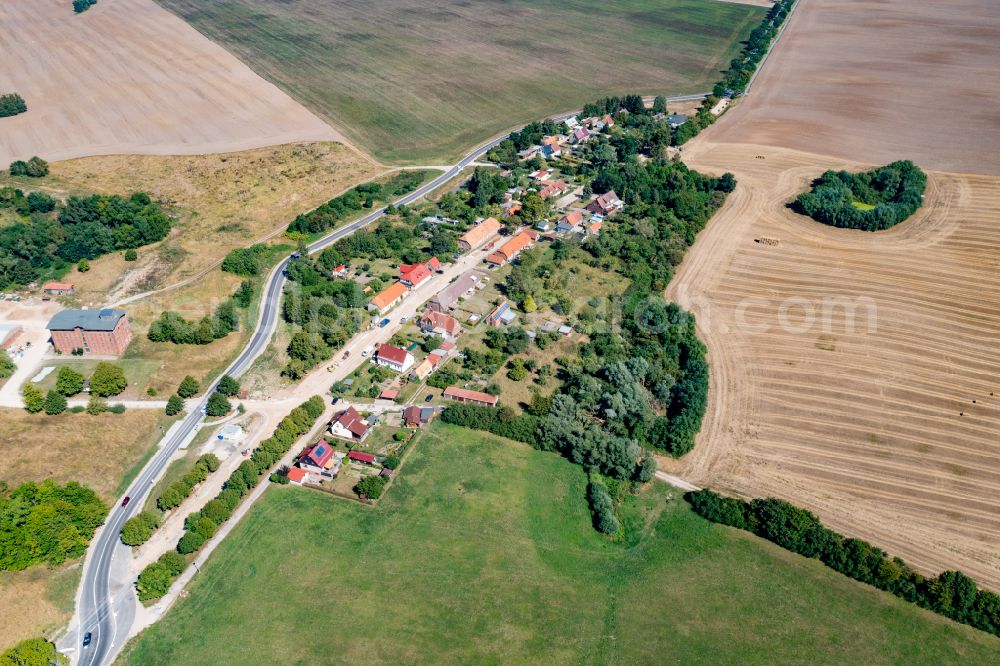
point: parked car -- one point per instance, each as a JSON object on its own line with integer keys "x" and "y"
{"x": 383, "y": 323}
{"x": 430, "y": 396}
{"x": 402, "y": 320}
{"x": 126, "y": 501}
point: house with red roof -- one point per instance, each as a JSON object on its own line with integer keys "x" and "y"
{"x": 570, "y": 222}
{"x": 553, "y": 188}
{"x": 580, "y": 135}
{"x": 296, "y": 475}
{"x": 319, "y": 459}
{"x": 349, "y": 425}
{"x": 413, "y": 274}
{"x": 606, "y": 204}
{"x": 339, "y": 272}
{"x": 393, "y": 358}
{"x": 440, "y": 324}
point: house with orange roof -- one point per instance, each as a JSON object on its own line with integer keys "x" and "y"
{"x": 509, "y": 250}
{"x": 384, "y": 301}
{"x": 459, "y": 394}
{"x": 479, "y": 234}
{"x": 570, "y": 222}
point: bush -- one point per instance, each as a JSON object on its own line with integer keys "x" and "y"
{"x": 12, "y": 104}
{"x": 139, "y": 528}
{"x": 36, "y": 167}
{"x": 244, "y": 294}
{"x": 130, "y": 255}
{"x": 602, "y": 506}
{"x": 153, "y": 582}
{"x": 371, "y": 487}
{"x": 7, "y": 366}
{"x": 117, "y": 409}
{"x": 175, "y": 404}
{"x": 174, "y": 562}
{"x": 55, "y": 403}
{"x": 82, "y": 5}
{"x": 69, "y": 381}
{"x": 46, "y": 522}
{"x": 83, "y": 265}
{"x": 77, "y": 409}
{"x": 33, "y": 652}
{"x": 228, "y": 386}
{"x": 246, "y": 261}
{"x": 190, "y": 542}
{"x": 96, "y": 406}
{"x": 218, "y": 405}
{"x": 40, "y": 202}
{"x": 108, "y": 379}
{"x": 189, "y": 387}
{"x": 34, "y": 399}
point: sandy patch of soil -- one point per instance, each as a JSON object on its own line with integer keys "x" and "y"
{"x": 881, "y": 81}
{"x": 129, "y": 77}
{"x": 886, "y": 428}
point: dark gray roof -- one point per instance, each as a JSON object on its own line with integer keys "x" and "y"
{"x": 676, "y": 119}
{"x": 88, "y": 320}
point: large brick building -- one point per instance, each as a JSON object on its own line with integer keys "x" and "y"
{"x": 104, "y": 332}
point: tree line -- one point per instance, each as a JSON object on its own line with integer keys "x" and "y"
{"x": 951, "y": 593}
{"x": 362, "y": 196}
{"x": 871, "y": 200}
{"x": 737, "y": 77}
{"x": 155, "y": 579}
{"x": 12, "y": 104}
{"x": 106, "y": 380}
{"x": 84, "y": 228}
{"x": 46, "y": 522}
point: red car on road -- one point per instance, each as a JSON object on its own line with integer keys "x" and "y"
{"x": 126, "y": 500}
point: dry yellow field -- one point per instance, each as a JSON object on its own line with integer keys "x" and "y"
{"x": 888, "y": 428}
{"x": 36, "y": 601}
{"x": 129, "y": 77}
{"x": 221, "y": 201}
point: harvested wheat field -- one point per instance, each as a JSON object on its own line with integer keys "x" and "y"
{"x": 887, "y": 429}
{"x": 880, "y": 81}
{"x": 129, "y": 77}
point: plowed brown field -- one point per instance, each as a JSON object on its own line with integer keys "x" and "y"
{"x": 129, "y": 77}
{"x": 889, "y": 430}
{"x": 880, "y": 81}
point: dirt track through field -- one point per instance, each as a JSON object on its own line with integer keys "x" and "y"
{"x": 129, "y": 77}
{"x": 880, "y": 81}
{"x": 875, "y": 429}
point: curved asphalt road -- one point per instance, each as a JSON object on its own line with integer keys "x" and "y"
{"x": 106, "y": 612}
{"x": 106, "y": 605}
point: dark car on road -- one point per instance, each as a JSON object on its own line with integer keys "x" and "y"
{"x": 86, "y": 639}
{"x": 126, "y": 501}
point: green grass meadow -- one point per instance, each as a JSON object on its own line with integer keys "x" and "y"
{"x": 418, "y": 81}
{"x": 482, "y": 552}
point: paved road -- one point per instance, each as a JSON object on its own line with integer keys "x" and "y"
{"x": 105, "y": 602}
{"x": 105, "y": 605}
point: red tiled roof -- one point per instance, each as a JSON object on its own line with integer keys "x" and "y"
{"x": 446, "y": 323}
{"x": 434, "y": 264}
{"x": 389, "y": 394}
{"x": 361, "y": 457}
{"x": 411, "y": 415}
{"x": 318, "y": 454}
{"x": 57, "y": 286}
{"x": 414, "y": 274}
{"x": 352, "y": 420}
{"x": 296, "y": 474}
{"x": 392, "y": 354}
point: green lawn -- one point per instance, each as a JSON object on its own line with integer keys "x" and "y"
{"x": 861, "y": 205}
{"x": 412, "y": 80}
{"x": 482, "y": 552}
